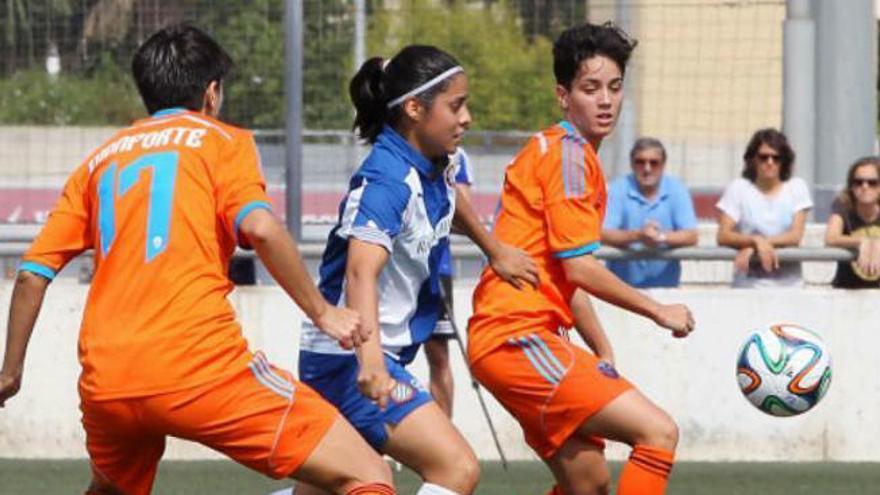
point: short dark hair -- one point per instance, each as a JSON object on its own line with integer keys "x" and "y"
{"x": 586, "y": 41}
{"x": 647, "y": 143}
{"x": 176, "y": 65}
{"x": 379, "y": 81}
{"x": 776, "y": 140}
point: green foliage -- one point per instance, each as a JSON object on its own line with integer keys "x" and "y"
{"x": 510, "y": 78}
{"x": 33, "y": 97}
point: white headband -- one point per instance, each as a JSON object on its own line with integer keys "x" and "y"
{"x": 424, "y": 87}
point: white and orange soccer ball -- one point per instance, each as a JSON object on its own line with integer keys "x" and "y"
{"x": 784, "y": 370}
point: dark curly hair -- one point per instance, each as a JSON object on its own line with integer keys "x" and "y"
{"x": 776, "y": 140}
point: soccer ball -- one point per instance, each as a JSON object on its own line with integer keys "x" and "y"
{"x": 784, "y": 370}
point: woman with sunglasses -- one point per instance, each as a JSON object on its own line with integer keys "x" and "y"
{"x": 763, "y": 210}
{"x": 855, "y": 224}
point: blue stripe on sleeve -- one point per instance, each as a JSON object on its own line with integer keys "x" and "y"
{"x": 580, "y": 251}
{"x": 43, "y": 271}
{"x": 254, "y": 205}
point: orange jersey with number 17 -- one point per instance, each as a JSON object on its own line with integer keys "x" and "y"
{"x": 552, "y": 207}
{"x": 160, "y": 204}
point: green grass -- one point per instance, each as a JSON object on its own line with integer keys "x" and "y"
{"x": 525, "y": 478}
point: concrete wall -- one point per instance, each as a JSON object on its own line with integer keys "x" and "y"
{"x": 693, "y": 379}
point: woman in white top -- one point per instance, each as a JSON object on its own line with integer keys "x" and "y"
{"x": 763, "y": 210}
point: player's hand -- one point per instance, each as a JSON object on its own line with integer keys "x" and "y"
{"x": 514, "y": 266}
{"x": 343, "y": 325}
{"x": 375, "y": 383}
{"x": 742, "y": 260}
{"x": 676, "y": 317}
{"x": 766, "y": 254}
{"x": 10, "y": 383}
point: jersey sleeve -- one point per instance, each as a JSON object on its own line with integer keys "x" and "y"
{"x": 462, "y": 168}
{"x": 68, "y": 231}
{"x": 241, "y": 187}
{"x": 374, "y": 211}
{"x": 573, "y": 204}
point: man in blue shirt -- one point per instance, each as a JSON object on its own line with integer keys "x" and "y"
{"x": 647, "y": 209}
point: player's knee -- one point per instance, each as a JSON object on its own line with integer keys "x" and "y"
{"x": 596, "y": 482}
{"x": 460, "y": 472}
{"x": 377, "y": 471}
{"x": 662, "y": 433}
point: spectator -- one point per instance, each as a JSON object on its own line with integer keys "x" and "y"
{"x": 647, "y": 209}
{"x": 855, "y": 223}
{"x": 763, "y": 210}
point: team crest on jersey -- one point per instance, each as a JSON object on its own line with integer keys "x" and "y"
{"x": 608, "y": 370}
{"x": 402, "y": 392}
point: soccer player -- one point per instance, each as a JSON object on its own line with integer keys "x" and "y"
{"x": 566, "y": 399}
{"x": 163, "y": 204}
{"x": 382, "y": 260}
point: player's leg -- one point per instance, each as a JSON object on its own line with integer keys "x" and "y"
{"x": 633, "y": 419}
{"x": 344, "y": 460}
{"x": 579, "y": 468}
{"x": 551, "y": 387}
{"x": 440, "y": 372}
{"x": 427, "y": 442}
{"x": 123, "y": 449}
{"x": 267, "y": 421}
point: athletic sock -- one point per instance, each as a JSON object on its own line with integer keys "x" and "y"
{"x": 555, "y": 491}
{"x": 647, "y": 471}
{"x": 432, "y": 489}
{"x": 373, "y": 489}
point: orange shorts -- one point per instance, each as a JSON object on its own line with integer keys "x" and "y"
{"x": 261, "y": 418}
{"x": 549, "y": 385}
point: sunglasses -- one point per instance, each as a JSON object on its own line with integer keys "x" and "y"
{"x": 857, "y": 182}
{"x": 766, "y": 157}
{"x": 642, "y": 162}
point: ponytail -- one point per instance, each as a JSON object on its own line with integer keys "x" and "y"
{"x": 380, "y": 87}
{"x": 367, "y": 91}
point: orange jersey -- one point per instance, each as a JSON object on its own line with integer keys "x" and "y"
{"x": 160, "y": 204}
{"x": 552, "y": 207}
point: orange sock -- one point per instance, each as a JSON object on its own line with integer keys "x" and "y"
{"x": 647, "y": 471}
{"x": 373, "y": 489}
{"x": 555, "y": 491}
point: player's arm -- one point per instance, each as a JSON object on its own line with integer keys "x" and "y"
{"x": 513, "y": 265}
{"x": 589, "y": 274}
{"x": 27, "y": 299}
{"x": 280, "y": 254}
{"x": 363, "y": 267}
{"x": 587, "y": 324}
{"x": 441, "y": 383}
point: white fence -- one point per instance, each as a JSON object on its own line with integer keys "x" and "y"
{"x": 694, "y": 379}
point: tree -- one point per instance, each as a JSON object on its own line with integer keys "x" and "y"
{"x": 510, "y": 77}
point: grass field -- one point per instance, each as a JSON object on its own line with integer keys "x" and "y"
{"x": 523, "y": 478}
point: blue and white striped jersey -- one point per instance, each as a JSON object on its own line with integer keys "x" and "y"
{"x": 400, "y": 200}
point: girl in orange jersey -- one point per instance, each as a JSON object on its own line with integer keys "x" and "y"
{"x": 566, "y": 399}
{"x": 163, "y": 204}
